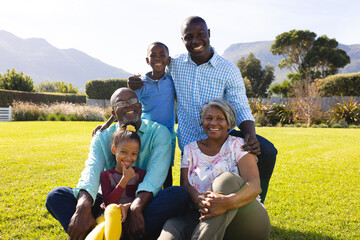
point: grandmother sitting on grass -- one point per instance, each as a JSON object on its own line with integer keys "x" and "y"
{"x": 76, "y": 209}
{"x": 223, "y": 182}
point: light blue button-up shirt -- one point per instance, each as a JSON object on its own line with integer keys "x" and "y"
{"x": 157, "y": 99}
{"x": 154, "y": 158}
{"x": 195, "y": 85}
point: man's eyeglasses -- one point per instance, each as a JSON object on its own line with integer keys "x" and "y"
{"x": 125, "y": 103}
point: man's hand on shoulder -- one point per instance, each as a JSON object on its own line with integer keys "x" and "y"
{"x": 251, "y": 145}
{"x": 135, "y": 83}
{"x": 82, "y": 222}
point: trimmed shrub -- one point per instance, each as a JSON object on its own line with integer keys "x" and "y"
{"x": 61, "y": 117}
{"x": 71, "y": 118}
{"x": 103, "y": 89}
{"x": 51, "y": 117}
{"x": 41, "y": 118}
{"x": 339, "y": 124}
{"x": 340, "y": 84}
{"x": 7, "y": 97}
{"x": 336, "y": 125}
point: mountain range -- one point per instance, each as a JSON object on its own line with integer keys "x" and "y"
{"x": 261, "y": 50}
{"x": 42, "y": 61}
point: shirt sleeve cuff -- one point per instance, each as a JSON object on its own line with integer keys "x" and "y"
{"x": 77, "y": 190}
{"x": 146, "y": 187}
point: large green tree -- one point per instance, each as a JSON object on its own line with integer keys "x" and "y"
{"x": 260, "y": 79}
{"x": 310, "y": 57}
{"x": 16, "y": 81}
{"x": 324, "y": 58}
{"x": 293, "y": 46}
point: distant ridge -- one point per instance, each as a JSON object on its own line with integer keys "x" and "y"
{"x": 261, "y": 50}
{"x": 42, "y": 61}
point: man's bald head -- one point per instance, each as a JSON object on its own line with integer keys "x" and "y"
{"x": 191, "y": 20}
{"x": 119, "y": 92}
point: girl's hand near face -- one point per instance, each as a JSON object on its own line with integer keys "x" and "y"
{"x": 128, "y": 173}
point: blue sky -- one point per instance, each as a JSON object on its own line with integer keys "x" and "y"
{"x": 117, "y": 32}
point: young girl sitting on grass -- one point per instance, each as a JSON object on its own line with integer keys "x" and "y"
{"x": 119, "y": 184}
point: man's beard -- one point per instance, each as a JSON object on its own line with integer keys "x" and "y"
{"x": 127, "y": 121}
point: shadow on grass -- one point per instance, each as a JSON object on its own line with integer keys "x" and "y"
{"x": 287, "y": 234}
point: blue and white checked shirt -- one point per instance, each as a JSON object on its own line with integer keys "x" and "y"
{"x": 195, "y": 85}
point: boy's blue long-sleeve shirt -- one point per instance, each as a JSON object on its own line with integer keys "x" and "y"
{"x": 158, "y": 100}
{"x": 154, "y": 158}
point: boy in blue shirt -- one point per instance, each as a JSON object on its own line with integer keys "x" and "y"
{"x": 157, "y": 96}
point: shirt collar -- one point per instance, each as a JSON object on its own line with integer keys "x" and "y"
{"x": 212, "y": 62}
{"x": 142, "y": 128}
{"x": 148, "y": 79}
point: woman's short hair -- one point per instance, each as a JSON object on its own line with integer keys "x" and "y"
{"x": 224, "y": 106}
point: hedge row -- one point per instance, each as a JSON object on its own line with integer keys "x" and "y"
{"x": 340, "y": 84}
{"x": 7, "y": 97}
{"x": 103, "y": 88}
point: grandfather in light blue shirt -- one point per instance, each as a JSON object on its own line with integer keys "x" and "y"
{"x": 77, "y": 208}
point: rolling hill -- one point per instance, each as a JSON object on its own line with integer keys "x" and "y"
{"x": 261, "y": 51}
{"x": 42, "y": 61}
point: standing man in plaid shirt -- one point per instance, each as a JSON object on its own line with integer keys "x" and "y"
{"x": 201, "y": 75}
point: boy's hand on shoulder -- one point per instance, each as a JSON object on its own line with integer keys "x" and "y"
{"x": 135, "y": 83}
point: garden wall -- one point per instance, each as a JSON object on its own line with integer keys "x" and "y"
{"x": 103, "y": 103}
{"x": 326, "y": 102}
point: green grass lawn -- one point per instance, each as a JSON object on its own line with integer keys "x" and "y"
{"x": 313, "y": 194}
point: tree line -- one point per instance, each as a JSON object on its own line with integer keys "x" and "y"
{"x": 12, "y": 80}
{"x": 306, "y": 56}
